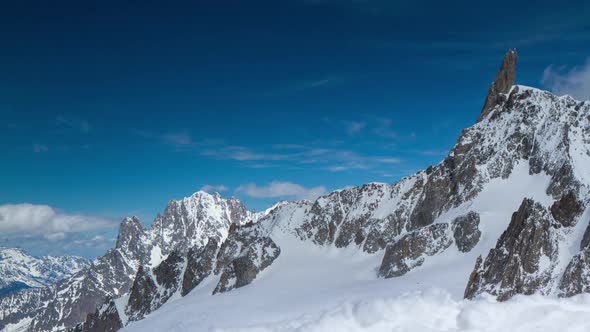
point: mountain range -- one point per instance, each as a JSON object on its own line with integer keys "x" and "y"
{"x": 504, "y": 214}
{"x": 19, "y": 270}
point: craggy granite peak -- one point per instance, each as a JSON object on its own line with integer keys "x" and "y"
{"x": 502, "y": 84}
{"x": 189, "y": 222}
{"x": 521, "y": 261}
{"x": 104, "y": 319}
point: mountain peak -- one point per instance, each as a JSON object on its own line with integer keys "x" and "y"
{"x": 501, "y": 85}
{"x": 129, "y": 230}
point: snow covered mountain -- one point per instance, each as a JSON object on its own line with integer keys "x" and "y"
{"x": 19, "y": 270}
{"x": 505, "y": 213}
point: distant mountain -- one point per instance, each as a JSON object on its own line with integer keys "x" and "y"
{"x": 504, "y": 213}
{"x": 19, "y": 270}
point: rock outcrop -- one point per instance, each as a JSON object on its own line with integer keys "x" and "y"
{"x": 411, "y": 249}
{"x": 466, "y": 231}
{"x": 105, "y": 319}
{"x": 502, "y": 84}
{"x": 521, "y": 262}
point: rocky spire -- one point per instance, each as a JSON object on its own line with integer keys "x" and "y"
{"x": 129, "y": 232}
{"x": 501, "y": 85}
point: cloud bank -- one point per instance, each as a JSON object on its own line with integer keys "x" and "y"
{"x": 31, "y": 220}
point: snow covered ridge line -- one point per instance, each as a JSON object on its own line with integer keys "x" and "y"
{"x": 19, "y": 270}
{"x": 516, "y": 182}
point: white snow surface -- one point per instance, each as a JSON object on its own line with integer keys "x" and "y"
{"x": 324, "y": 288}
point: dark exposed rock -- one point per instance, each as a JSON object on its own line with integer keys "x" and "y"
{"x": 411, "y": 249}
{"x": 585, "y": 244}
{"x": 105, "y": 319}
{"x": 466, "y": 231}
{"x": 108, "y": 274}
{"x": 243, "y": 269}
{"x": 374, "y": 242}
{"x": 576, "y": 277}
{"x": 129, "y": 233}
{"x": 152, "y": 289}
{"x": 141, "y": 295}
{"x": 200, "y": 263}
{"x": 566, "y": 209}
{"x": 514, "y": 266}
{"x": 501, "y": 85}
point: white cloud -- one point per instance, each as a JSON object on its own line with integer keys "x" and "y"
{"x": 42, "y": 220}
{"x": 281, "y": 189}
{"x": 574, "y": 82}
{"x": 214, "y": 188}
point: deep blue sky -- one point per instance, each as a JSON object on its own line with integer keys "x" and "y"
{"x": 113, "y": 108}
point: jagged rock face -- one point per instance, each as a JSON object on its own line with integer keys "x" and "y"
{"x": 410, "y": 250}
{"x": 194, "y": 220}
{"x": 20, "y": 305}
{"x": 129, "y": 239}
{"x": 466, "y": 231}
{"x": 200, "y": 263}
{"x": 504, "y": 81}
{"x": 566, "y": 209}
{"x": 243, "y": 269}
{"x": 585, "y": 244}
{"x": 141, "y": 296}
{"x": 576, "y": 277}
{"x": 152, "y": 289}
{"x": 108, "y": 275}
{"x": 521, "y": 263}
{"x": 105, "y": 319}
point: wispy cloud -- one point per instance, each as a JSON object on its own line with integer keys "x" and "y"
{"x": 281, "y": 189}
{"x": 39, "y": 148}
{"x": 214, "y": 188}
{"x": 432, "y": 152}
{"x": 354, "y": 127}
{"x": 73, "y": 123}
{"x": 180, "y": 138}
{"x": 573, "y": 81}
{"x": 384, "y": 128}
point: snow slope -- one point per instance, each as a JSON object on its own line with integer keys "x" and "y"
{"x": 306, "y": 279}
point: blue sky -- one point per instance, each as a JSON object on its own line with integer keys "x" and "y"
{"x": 111, "y": 109}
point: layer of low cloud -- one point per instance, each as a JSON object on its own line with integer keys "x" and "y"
{"x": 571, "y": 81}
{"x": 214, "y": 188}
{"x": 281, "y": 189}
{"x": 29, "y": 220}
